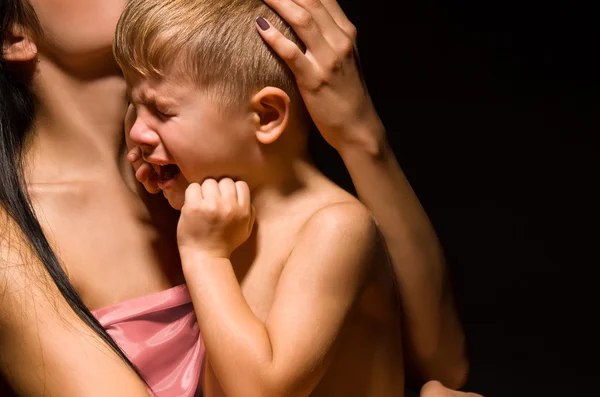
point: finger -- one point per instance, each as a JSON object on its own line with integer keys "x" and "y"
{"x": 210, "y": 190}
{"x": 252, "y": 219}
{"x": 304, "y": 24}
{"x": 228, "y": 190}
{"x": 328, "y": 26}
{"x": 135, "y": 157}
{"x": 144, "y": 172}
{"x": 287, "y": 50}
{"x": 341, "y": 45}
{"x": 243, "y": 194}
{"x": 340, "y": 18}
{"x": 146, "y": 175}
{"x": 193, "y": 195}
{"x": 152, "y": 184}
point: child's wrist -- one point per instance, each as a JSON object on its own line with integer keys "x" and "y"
{"x": 191, "y": 254}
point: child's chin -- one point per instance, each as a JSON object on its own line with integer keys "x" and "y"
{"x": 175, "y": 199}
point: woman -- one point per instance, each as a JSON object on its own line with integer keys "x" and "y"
{"x": 62, "y": 109}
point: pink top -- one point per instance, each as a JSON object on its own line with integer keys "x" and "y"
{"x": 159, "y": 333}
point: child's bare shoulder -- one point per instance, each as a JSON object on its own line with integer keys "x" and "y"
{"x": 349, "y": 214}
{"x": 342, "y": 223}
{"x": 340, "y": 244}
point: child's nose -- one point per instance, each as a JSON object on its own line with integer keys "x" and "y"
{"x": 143, "y": 136}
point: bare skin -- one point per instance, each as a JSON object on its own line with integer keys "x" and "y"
{"x": 76, "y": 160}
{"x": 46, "y": 349}
{"x": 318, "y": 278}
{"x": 433, "y": 337}
{"x": 111, "y": 239}
{"x": 436, "y": 389}
{"x": 307, "y": 306}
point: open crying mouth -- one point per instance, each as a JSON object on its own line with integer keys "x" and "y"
{"x": 168, "y": 172}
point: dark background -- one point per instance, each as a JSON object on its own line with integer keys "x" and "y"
{"x": 491, "y": 108}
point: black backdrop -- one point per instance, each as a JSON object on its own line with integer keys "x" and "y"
{"x": 491, "y": 108}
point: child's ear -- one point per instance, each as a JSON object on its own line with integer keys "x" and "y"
{"x": 272, "y": 106}
{"x": 18, "y": 45}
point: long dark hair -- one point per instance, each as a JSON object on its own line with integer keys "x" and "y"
{"x": 17, "y": 110}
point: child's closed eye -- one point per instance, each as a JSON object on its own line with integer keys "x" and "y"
{"x": 162, "y": 114}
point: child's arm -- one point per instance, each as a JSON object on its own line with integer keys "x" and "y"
{"x": 288, "y": 354}
{"x": 336, "y": 97}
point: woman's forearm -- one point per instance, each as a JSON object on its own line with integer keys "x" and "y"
{"x": 434, "y": 335}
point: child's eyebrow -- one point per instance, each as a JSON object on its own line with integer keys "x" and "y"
{"x": 141, "y": 97}
{"x": 149, "y": 99}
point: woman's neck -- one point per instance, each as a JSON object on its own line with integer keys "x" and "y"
{"x": 78, "y": 128}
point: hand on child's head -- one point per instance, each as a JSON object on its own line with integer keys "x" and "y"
{"x": 328, "y": 73}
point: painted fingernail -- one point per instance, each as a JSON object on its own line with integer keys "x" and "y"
{"x": 262, "y": 23}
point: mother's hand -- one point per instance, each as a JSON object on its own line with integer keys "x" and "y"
{"x": 328, "y": 74}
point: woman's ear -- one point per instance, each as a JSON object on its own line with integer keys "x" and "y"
{"x": 18, "y": 45}
{"x": 272, "y": 106}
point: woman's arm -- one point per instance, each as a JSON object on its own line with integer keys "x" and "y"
{"x": 336, "y": 97}
{"x": 435, "y": 339}
{"x": 45, "y": 350}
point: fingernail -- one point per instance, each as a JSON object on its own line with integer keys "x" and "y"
{"x": 132, "y": 157}
{"x": 262, "y": 23}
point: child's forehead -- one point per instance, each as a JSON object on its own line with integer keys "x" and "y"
{"x": 146, "y": 88}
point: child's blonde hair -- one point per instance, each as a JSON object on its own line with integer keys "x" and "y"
{"x": 214, "y": 42}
